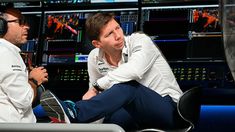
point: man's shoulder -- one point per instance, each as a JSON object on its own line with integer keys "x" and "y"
{"x": 94, "y": 51}
{"x": 3, "y": 48}
{"x": 93, "y": 54}
{"x": 136, "y": 38}
{"x": 6, "y": 46}
{"x": 138, "y": 34}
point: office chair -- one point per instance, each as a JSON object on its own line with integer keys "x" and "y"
{"x": 188, "y": 108}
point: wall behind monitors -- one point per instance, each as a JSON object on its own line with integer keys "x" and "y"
{"x": 185, "y": 32}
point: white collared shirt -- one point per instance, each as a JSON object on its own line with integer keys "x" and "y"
{"x": 16, "y": 94}
{"x": 141, "y": 61}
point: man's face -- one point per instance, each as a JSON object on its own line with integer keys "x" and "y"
{"x": 111, "y": 37}
{"x": 17, "y": 32}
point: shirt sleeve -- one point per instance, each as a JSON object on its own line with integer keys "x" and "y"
{"x": 143, "y": 54}
{"x": 14, "y": 81}
{"x": 92, "y": 70}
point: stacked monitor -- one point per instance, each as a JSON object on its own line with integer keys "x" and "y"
{"x": 185, "y": 32}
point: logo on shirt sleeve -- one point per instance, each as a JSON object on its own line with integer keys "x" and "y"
{"x": 16, "y": 67}
{"x": 103, "y": 70}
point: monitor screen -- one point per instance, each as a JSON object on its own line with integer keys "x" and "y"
{"x": 174, "y": 50}
{"x": 205, "y": 34}
{"x": 185, "y": 33}
{"x": 205, "y": 20}
{"x": 166, "y": 23}
{"x": 64, "y": 1}
{"x": 112, "y": 1}
{"x": 169, "y": 30}
{"x": 21, "y": 3}
{"x": 206, "y": 48}
{"x": 179, "y": 1}
{"x": 65, "y": 26}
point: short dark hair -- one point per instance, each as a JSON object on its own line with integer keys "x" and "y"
{"x": 13, "y": 11}
{"x": 96, "y": 22}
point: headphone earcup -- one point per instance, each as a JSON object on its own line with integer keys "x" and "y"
{"x": 3, "y": 26}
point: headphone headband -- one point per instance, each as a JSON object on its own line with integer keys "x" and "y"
{"x": 3, "y": 27}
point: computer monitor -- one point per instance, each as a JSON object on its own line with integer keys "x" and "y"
{"x": 184, "y": 33}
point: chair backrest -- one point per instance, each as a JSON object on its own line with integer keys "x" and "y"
{"x": 189, "y": 105}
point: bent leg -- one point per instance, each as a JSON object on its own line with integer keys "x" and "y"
{"x": 150, "y": 109}
{"x": 106, "y": 102}
{"x": 122, "y": 118}
{"x": 147, "y": 107}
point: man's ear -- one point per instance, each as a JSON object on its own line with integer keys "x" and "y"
{"x": 95, "y": 43}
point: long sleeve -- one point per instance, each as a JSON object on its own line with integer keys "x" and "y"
{"x": 92, "y": 67}
{"x": 14, "y": 80}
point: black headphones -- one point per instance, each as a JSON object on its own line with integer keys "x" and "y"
{"x": 3, "y": 26}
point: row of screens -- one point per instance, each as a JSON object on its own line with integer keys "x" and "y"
{"x": 181, "y": 34}
{"x": 201, "y": 48}
{"x": 38, "y": 3}
{"x": 161, "y": 23}
{"x": 180, "y": 23}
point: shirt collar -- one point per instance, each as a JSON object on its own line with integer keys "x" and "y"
{"x": 10, "y": 45}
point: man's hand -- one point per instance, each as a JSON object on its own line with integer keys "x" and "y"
{"x": 39, "y": 74}
{"x": 89, "y": 94}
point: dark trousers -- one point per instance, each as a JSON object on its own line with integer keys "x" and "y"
{"x": 130, "y": 102}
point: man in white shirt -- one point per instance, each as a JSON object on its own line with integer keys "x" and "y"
{"x": 129, "y": 77}
{"x": 17, "y": 87}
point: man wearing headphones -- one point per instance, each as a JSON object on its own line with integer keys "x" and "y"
{"x": 17, "y": 87}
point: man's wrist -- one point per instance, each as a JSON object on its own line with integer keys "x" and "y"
{"x": 97, "y": 87}
{"x": 35, "y": 82}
